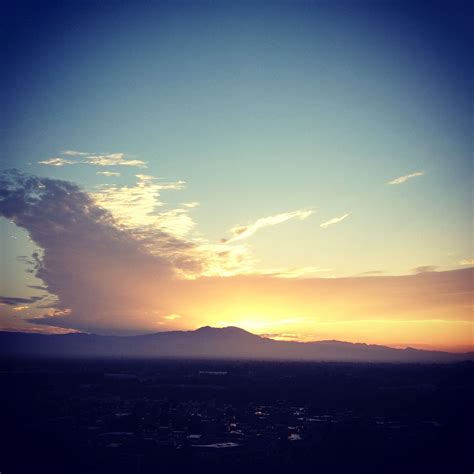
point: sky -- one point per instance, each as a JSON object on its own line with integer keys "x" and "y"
{"x": 298, "y": 169}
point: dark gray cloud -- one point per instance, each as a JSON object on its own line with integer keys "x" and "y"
{"x": 98, "y": 270}
{"x": 13, "y": 301}
{"x": 425, "y": 269}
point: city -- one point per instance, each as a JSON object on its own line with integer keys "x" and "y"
{"x": 135, "y": 416}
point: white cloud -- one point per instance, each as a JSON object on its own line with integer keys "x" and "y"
{"x": 172, "y": 317}
{"x": 136, "y": 206}
{"x": 467, "y": 262}
{"x": 57, "y": 162}
{"x": 333, "y": 221}
{"x": 108, "y": 173}
{"x": 74, "y": 153}
{"x": 96, "y": 159}
{"x": 176, "y": 222}
{"x": 245, "y": 231}
{"x": 403, "y": 179}
{"x": 113, "y": 159}
{"x": 141, "y": 211}
{"x": 225, "y": 260}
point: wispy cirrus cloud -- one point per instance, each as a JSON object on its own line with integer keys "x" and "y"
{"x": 283, "y": 336}
{"x": 108, "y": 173}
{"x": 405, "y": 178}
{"x": 74, "y": 153}
{"x": 113, "y": 159}
{"x": 191, "y": 205}
{"x": 57, "y": 162}
{"x": 425, "y": 269}
{"x": 244, "y": 231}
{"x": 297, "y": 272}
{"x": 333, "y": 221}
{"x": 172, "y": 317}
{"x": 96, "y": 159}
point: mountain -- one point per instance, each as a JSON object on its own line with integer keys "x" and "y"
{"x": 209, "y": 342}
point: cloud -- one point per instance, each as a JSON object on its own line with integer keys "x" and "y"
{"x": 108, "y": 173}
{"x": 101, "y": 273}
{"x": 281, "y": 336}
{"x": 137, "y": 207}
{"x": 113, "y": 159}
{"x": 12, "y": 301}
{"x": 140, "y": 209}
{"x": 333, "y": 221}
{"x": 403, "y": 179}
{"x": 245, "y": 231}
{"x": 467, "y": 261}
{"x": 301, "y": 272}
{"x": 57, "y": 162}
{"x": 96, "y": 159}
{"x": 15, "y": 322}
{"x": 74, "y": 153}
{"x": 225, "y": 260}
{"x": 172, "y": 317}
{"x": 425, "y": 269}
{"x": 298, "y": 272}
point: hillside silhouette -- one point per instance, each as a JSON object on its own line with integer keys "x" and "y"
{"x": 209, "y": 342}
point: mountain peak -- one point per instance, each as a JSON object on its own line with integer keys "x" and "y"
{"x": 224, "y": 330}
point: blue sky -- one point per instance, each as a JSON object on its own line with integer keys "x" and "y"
{"x": 262, "y": 108}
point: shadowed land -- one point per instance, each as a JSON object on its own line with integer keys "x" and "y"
{"x": 144, "y": 416}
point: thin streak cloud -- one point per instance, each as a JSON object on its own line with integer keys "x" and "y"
{"x": 95, "y": 159}
{"x": 333, "y": 221}
{"x": 74, "y": 153}
{"x": 403, "y": 179}
{"x": 57, "y": 162}
{"x": 299, "y": 272}
{"x": 108, "y": 173}
{"x": 245, "y": 231}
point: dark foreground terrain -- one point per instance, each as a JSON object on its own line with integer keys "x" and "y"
{"x": 151, "y": 416}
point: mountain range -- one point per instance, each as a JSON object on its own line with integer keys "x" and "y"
{"x": 210, "y": 342}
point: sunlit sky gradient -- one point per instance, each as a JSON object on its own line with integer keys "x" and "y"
{"x": 298, "y": 169}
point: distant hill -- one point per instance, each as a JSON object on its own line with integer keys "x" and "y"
{"x": 209, "y": 342}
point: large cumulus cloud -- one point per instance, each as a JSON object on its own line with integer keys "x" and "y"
{"x": 103, "y": 275}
